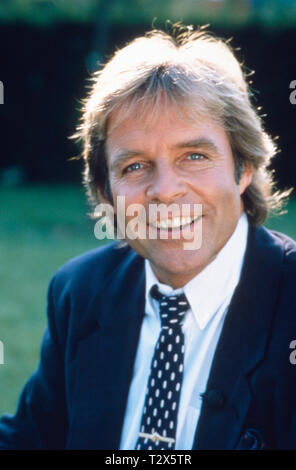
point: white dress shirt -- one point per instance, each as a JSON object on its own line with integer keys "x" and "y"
{"x": 209, "y": 295}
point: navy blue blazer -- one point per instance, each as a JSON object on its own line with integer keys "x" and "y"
{"x": 76, "y": 399}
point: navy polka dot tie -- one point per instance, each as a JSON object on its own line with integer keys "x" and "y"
{"x": 160, "y": 412}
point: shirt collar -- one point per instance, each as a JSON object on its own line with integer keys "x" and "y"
{"x": 214, "y": 286}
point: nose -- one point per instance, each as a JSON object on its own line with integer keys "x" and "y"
{"x": 166, "y": 186}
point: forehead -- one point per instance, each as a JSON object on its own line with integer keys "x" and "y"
{"x": 147, "y": 109}
{"x": 166, "y": 124}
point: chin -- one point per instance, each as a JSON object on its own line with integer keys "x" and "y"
{"x": 178, "y": 267}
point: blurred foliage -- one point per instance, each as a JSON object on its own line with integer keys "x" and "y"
{"x": 276, "y": 13}
{"x": 41, "y": 228}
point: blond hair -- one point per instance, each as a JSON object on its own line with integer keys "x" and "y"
{"x": 189, "y": 68}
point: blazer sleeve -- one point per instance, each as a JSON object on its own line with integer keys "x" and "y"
{"x": 40, "y": 421}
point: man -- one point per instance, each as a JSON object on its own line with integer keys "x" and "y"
{"x": 151, "y": 345}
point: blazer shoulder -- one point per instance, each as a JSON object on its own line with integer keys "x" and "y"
{"x": 288, "y": 246}
{"x": 84, "y": 273}
{"x": 275, "y": 253}
{"x": 288, "y": 268}
{"x": 78, "y": 282}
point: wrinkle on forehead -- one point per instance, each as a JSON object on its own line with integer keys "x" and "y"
{"x": 148, "y": 112}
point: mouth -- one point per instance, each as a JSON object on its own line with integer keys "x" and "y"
{"x": 174, "y": 223}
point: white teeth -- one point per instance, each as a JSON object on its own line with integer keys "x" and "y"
{"x": 163, "y": 224}
{"x": 175, "y": 222}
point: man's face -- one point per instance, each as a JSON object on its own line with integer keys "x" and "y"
{"x": 173, "y": 160}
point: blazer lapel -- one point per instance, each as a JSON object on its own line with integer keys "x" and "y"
{"x": 242, "y": 344}
{"x": 104, "y": 362}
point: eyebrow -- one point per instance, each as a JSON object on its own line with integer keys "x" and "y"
{"x": 126, "y": 154}
{"x": 201, "y": 142}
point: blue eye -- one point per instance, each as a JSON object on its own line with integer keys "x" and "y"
{"x": 133, "y": 167}
{"x": 196, "y": 156}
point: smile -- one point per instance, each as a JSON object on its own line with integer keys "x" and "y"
{"x": 173, "y": 223}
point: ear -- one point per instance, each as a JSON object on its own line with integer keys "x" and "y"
{"x": 246, "y": 178}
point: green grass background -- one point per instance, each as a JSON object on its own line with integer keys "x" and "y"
{"x": 41, "y": 227}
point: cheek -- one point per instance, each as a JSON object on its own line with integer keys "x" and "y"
{"x": 131, "y": 193}
{"x": 215, "y": 187}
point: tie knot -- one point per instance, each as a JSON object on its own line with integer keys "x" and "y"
{"x": 172, "y": 307}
